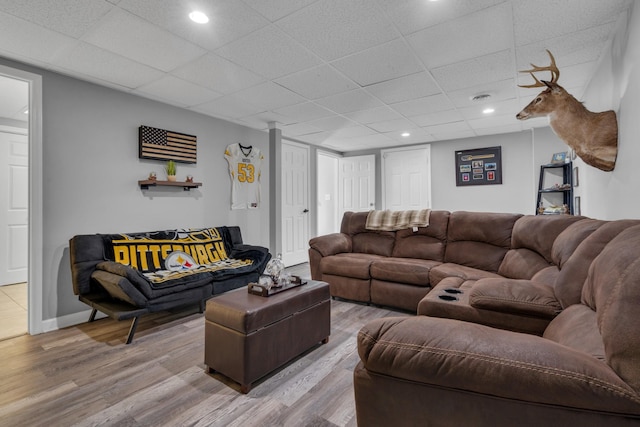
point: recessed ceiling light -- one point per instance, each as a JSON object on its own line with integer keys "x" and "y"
{"x": 488, "y": 110}
{"x": 199, "y": 17}
{"x": 405, "y": 134}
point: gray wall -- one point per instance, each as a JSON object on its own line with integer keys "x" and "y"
{"x": 616, "y": 85}
{"x": 522, "y": 155}
{"x": 91, "y": 169}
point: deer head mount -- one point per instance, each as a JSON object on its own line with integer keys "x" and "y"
{"x": 593, "y": 136}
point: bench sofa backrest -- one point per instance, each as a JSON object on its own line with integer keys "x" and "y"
{"x": 605, "y": 323}
{"x": 531, "y": 244}
{"x": 479, "y": 239}
{"x": 366, "y": 241}
{"x": 424, "y": 242}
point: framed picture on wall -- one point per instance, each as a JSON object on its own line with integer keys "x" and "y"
{"x": 558, "y": 158}
{"x": 480, "y": 166}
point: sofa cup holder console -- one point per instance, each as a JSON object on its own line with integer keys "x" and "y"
{"x": 447, "y": 297}
{"x": 452, "y": 291}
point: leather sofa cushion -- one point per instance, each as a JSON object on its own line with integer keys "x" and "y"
{"x": 515, "y": 296}
{"x": 466, "y": 356}
{"x": 522, "y": 264}
{"x": 445, "y": 270}
{"x": 538, "y": 232}
{"x": 354, "y": 265}
{"x": 424, "y": 242}
{"x": 403, "y": 270}
{"x": 363, "y": 240}
{"x": 577, "y": 327}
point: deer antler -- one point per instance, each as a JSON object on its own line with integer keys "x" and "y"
{"x": 555, "y": 73}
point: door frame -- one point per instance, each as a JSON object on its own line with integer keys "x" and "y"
{"x": 35, "y": 274}
{"x": 395, "y": 150}
{"x": 336, "y": 190}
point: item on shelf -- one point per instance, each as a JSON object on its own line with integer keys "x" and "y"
{"x": 170, "y": 168}
{"x": 152, "y": 176}
{"x": 189, "y": 178}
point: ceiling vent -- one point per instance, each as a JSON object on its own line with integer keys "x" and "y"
{"x": 481, "y": 97}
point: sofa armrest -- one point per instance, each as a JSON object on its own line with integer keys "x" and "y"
{"x": 119, "y": 287}
{"x": 331, "y": 244}
{"x": 515, "y": 296}
{"x": 470, "y": 357}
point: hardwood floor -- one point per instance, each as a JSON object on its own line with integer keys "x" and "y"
{"x": 86, "y": 376}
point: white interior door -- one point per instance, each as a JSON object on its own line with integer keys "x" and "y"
{"x": 295, "y": 203}
{"x": 357, "y": 187}
{"x": 14, "y": 201}
{"x": 406, "y": 178}
{"x": 327, "y": 206}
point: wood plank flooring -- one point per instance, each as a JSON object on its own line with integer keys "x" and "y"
{"x": 86, "y": 376}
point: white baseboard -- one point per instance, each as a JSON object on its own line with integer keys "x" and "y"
{"x": 68, "y": 320}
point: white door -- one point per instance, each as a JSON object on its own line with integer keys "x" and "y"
{"x": 406, "y": 178}
{"x": 357, "y": 187}
{"x": 327, "y": 206}
{"x": 295, "y": 203}
{"x": 14, "y": 197}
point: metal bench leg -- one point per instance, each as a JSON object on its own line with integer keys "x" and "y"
{"x": 92, "y": 317}
{"x": 132, "y": 330}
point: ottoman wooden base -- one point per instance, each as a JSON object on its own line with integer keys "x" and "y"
{"x": 248, "y": 336}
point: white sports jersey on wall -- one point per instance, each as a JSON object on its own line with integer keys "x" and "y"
{"x": 244, "y": 168}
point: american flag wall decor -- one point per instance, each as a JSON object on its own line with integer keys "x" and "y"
{"x": 160, "y": 144}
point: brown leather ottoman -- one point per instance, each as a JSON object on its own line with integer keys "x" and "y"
{"x": 247, "y": 336}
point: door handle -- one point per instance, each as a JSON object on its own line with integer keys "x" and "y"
{"x": 305, "y": 211}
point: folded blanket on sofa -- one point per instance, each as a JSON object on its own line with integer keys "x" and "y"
{"x": 397, "y": 220}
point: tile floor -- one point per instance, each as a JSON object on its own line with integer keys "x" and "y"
{"x": 13, "y": 310}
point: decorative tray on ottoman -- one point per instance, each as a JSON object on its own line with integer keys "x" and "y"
{"x": 264, "y": 291}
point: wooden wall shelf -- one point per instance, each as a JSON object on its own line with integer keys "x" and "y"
{"x": 186, "y": 186}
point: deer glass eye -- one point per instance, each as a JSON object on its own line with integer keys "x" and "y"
{"x": 538, "y": 99}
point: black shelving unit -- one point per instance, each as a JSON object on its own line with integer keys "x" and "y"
{"x": 556, "y": 191}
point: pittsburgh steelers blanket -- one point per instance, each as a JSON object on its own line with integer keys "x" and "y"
{"x": 164, "y": 257}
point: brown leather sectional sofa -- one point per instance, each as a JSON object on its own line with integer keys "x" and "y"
{"x": 522, "y": 320}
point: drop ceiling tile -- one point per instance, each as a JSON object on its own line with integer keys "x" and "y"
{"x": 332, "y": 123}
{"x": 178, "y": 91}
{"x": 428, "y": 104}
{"x": 69, "y": 17}
{"x": 373, "y": 115}
{"x": 413, "y": 86}
{"x": 218, "y": 74}
{"x": 502, "y": 108}
{"x": 132, "y": 37}
{"x": 493, "y": 121}
{"x": 535, "y": 21}
{"x": 103, "y": 65}
{"x": 499, "y": 91}
{"x": 228, "y": 20}
{"x": 353, "y": 132}
{"x": 22, "y": 39}
{"x": 359, "y": 143}
{"x": 489, "y": 68}
{"x": 448, "y": 128}
{"x": 410, "y": 16}
{"x": 317, "y": 82}
{"x": 268, "y": 96}
{"x": 437, "y": 118}
{"x": 571, "y": 49}
{"x": 392, "y": 125}
{"x": 298, "y": 129}
{"x": 416, "y": 135}
{"x": 380, "y": 63}
{"x": 228, "y": 106}
{"x": 336, "y": 28}
{"x": 348, "y": 102}
{"x": 261, "y": 120}
{"x": 316, "y": 138}
{"x": 481, "y": 33}
{"x": 304, "y": 112}
{"x": 276, "y": 9}
{"x": 269, "y": 52}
